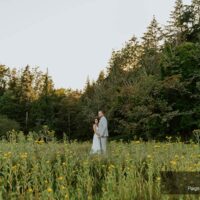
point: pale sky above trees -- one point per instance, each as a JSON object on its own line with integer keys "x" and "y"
{"x": 73, "y": 38}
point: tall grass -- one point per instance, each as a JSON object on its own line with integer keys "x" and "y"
{"x": 36, "y": 170}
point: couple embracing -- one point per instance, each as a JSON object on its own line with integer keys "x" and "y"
{"x": 100, "y": 128}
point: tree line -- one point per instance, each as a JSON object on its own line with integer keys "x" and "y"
{"x": 151, "y": 88}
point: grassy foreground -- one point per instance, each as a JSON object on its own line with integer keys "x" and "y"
{"x": 35, "y": 170}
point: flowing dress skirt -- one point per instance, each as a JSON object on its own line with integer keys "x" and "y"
{"x": 96, "y": 145}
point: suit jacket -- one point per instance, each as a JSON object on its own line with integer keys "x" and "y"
{"x": 103, "y": 127}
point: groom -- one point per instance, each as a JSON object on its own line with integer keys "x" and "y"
{"x": 103, "y": 131}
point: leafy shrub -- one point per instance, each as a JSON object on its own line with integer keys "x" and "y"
{"x": 7, "y": 125}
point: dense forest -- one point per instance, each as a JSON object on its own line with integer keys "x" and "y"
{"x": 151, "y": 88}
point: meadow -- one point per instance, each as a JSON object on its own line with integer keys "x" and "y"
{"x": 32, "y": 169}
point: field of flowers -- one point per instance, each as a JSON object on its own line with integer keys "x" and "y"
{"x": 38, "y": 170}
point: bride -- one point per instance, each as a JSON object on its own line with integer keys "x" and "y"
{"x": 96, "y": 145}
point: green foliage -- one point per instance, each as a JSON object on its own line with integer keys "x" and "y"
{"x": 7, "y": 125}
{"x": 183, "y": 59}
{"x": 3, "y": 77}
{"x": 151, "y": 87}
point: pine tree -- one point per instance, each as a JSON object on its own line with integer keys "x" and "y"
{"x": 150, "y": 48}
{"x": 194, "y": 34}
{"x": 115, "y": 66}
{"x": 175, "y": 28}
{"x": 26, "y": 93}
{"x": 38, "y": 82}
{"x": 130, "y": 54}
{"x": 3, "y": 78}
{"x": 153, "y": 37}
{"x": 46, "y": 99}
{"x": 13, "y": 83}
{"x": 101, "y": 77}
{"x": 48, "y": 86}
{"x": 88, "y": 87}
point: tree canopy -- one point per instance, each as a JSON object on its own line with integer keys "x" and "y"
{"x": 151, "y": 87}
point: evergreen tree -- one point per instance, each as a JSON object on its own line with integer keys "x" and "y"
{"x": 153, "y": 37}
{"x": 101, "y": 77}
{"x": 26, "y": 83}
{"x": 13, "y": 83}
{"x": 48, "y": 86}
{"x": 194, "y": 34}
{"x": 42, "y": 111}
{"x": 175, "y": 28}
{"x": 150, "y": 48}
{"x": 3, "y": 77}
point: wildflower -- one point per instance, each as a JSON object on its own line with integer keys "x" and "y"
{"x": 149, "y": 156}
{"x": 7, "y": 155}
{"x": 62, "y": 187}
{"x": 173, "y": 162}
{"x": 176, "y": 156}
{"x": 41, "y": 142}
{"x": 14, "y": 167}
{"x": 23, "y": 155}
{"x": 182, "y": 157}
{"x": 60, "y": 178}
{"x": 111, "y": 166}
{"x": 49, "y": 190}
{"x": 30, "y": 190}
{"x": 158, "y": 178}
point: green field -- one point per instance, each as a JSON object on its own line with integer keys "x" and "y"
{"x": 36, "y": 170}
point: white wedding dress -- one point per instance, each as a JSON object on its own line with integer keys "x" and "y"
{"x": 96, "y": 145}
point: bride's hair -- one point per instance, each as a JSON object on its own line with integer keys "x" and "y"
{"x": 96, "y": 118}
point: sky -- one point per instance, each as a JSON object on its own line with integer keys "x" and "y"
{"x": 74, "y": 39}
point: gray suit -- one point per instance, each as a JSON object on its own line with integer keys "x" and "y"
{"x": 103, "y": 132}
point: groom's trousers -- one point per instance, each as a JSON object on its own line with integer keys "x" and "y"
{"x": 104, "y": 143}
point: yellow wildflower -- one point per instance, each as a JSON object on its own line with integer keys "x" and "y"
{"x": 64, "y": 164}
{"x": 60, "y": 178}
{"x": 173, "y": 162}
{"x": 158, "y": 178}
{"x": 30, "y": 190}
{"x": 149, "y": 156}
{"x": 62, "y": 187}
{"x": 49, "y": 190}
{"x": 14, "y": 167}
{"x": 111, "y": 166}
{"x": 176, "y": 156}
